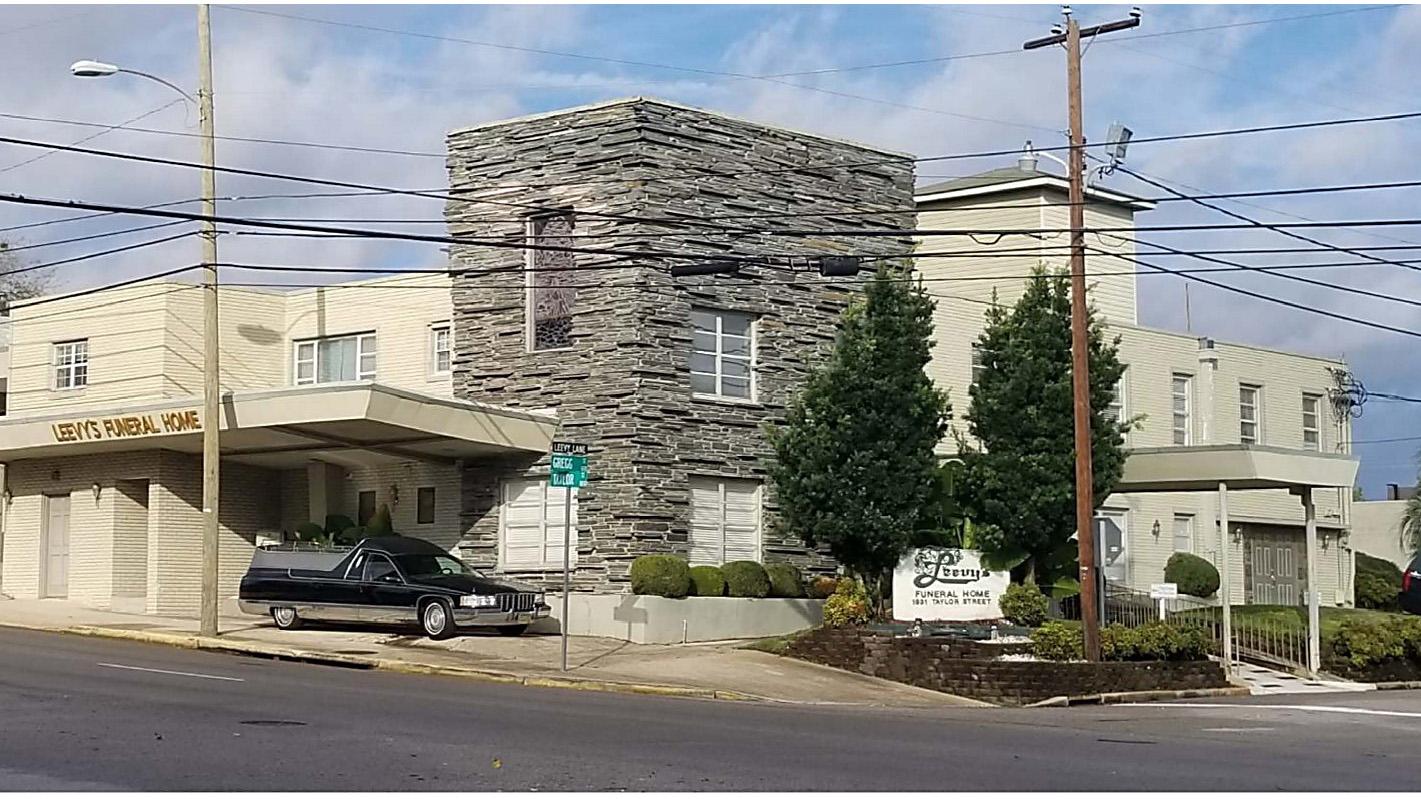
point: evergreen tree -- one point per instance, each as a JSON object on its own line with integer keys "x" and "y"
{"x": 855, "y": 467}
{"x": 1018, "y": 478}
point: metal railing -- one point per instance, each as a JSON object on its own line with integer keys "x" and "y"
{"x": 1274, "y": 640}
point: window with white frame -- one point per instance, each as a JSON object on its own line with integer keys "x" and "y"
{"x": 1312, "y": 422}
{"x": 722, "y": 353}
{"x": 1183, "y": 532}
{"x": 725, "y": 520}
{"x": 552, "y": 287}
{"x": 71, "y": 364}
{"x": 1181, "y": 401}
{"x": 441, "y": 349}
{"x": 1250, "y": 400}
{"x": 1119, "y": 408}
{"x": 335, "y": 359}
{"x": 531, "y": 524}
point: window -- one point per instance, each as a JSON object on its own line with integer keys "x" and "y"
{"x": 532, "y": 522}
{"x": 1249, "y": 398}
{"x": 551, "y": 292}
{"x": 978, "y": 367}
{"x": 1180, "y": 406}
{"x": 424, "y": 505}
{"x": 1312, "y": 422}
{"x": 1183, "y": 532}
{"x": 725, "y": 520}
{"x": 441, "y": 350}
{"x": 722, "y": 353}
{"x": 71, "y": 364}
{"x": 335, "y": 360}
{"x": 378, "y": 568}
{"x": 1118, "y": 409}
{"x": 365, "y": 507}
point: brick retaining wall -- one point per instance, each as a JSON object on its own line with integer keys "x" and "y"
{"x": 965, "y": 668}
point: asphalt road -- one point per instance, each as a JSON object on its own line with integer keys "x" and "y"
{"x": 90, "y": 714}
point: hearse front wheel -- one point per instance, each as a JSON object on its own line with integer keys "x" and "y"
{"x": 437, "y": 619}
{"x": 286, "y": 618}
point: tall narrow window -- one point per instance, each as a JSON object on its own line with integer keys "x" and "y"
{"x": 335, "y": 360}
{"x": 722, "y": 353}
{"x": 1183, "y": 532}
{"x": 725, "y": 520}
{"x": 1312, "y": 422}
{"x": 1249, "y": 398}
{"x": 1118, "y": 408}
{"x": 441, "y": 349}
{"x": 1180, "y": 406}
{"x": 365, "y": 507}
{"x": 978, "y": 367}
{"x": 71, "y": 364}
{"x": 424, "y": 505}
{"x": 551, "y": 291}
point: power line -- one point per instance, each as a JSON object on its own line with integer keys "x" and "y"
{"x": 106, "y": 287}
{"x": 106, "y": 129}
{"x": 1385, "y": 440}
{"x": 90, "y": 256}
{"x": 1249, "y": 23}
{"x": 82, "y": 217}
{"x": 90, "y": 237}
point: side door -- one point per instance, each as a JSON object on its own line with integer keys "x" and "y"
{"x": 387, "y": 597}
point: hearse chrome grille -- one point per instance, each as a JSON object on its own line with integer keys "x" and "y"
{"x": 517, "y": 602}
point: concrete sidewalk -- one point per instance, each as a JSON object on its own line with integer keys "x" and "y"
{"x": 705, "y": 671}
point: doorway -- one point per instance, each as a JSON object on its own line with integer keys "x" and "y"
{"x": 56, "y": 547}
{"x": 1277, "y": 570}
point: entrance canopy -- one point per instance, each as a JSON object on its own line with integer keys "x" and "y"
{"x": 359, "y": 424}
{"x": 1239, "y": 466}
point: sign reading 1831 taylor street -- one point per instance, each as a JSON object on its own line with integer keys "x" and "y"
{"x": 945, "y": 584}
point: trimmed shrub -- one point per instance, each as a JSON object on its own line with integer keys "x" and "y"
{"x": 380, "y": 523}
{"x": 310, "y": 532}
{"x": 337, "y": 522}
{"x": 847, "y": 605}
{"x": 1024, "y": 605}
{"x": 1377, "y": 585}
{"x": 785, "y": 580}
{"x": 661, "y": 575}
{"x": 746, "y": 578}
{"x": 1058, "y": 640}
{"x": 1364, "y": 643}
{"x": 822, "y": 587}
{"x": 350, "y": 536}
{"x": 1194, "y": 575}
{"x": 707, "y": 581}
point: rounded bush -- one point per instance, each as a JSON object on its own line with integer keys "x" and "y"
{"x": 1024, "y": 605}
{"x": 1194, "y": 575}
{"x": 1377, "y": 585}
{"x": 336, "y": 522}
{"x": 847, "y": 605}
{"x": 1154, "y": 640}
{"x": 785, "y": 580}
{"x": 746, "y": 578}
{"x": 1364, "y": 643}
{"x": 310, "y": 531}
{"x": 1058, "y": 640}
{"x": 707, "y": 581}
{"x": 661, "y": 575}
{"x": 822, "y": 587}
{"x": 380, "y": 523}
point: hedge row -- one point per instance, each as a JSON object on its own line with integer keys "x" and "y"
{"x": 1062, "y": 640}
{"x": 672, "y": 577}
{"x": 1366, "y": 643}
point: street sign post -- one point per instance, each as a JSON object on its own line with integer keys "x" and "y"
{"x": 567, "y": 469}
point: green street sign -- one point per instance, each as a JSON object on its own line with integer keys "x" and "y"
{"x": 567, "y": 465}
{"x": 567, "y": 479}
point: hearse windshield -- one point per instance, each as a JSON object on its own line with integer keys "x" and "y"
{"x": 429, "y": 565}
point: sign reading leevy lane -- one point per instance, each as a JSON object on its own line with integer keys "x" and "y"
{"x": 133, "y": 426}
{"x": 944, "y": 584}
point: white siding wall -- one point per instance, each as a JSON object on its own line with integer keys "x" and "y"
{"x": 407, "y": 478}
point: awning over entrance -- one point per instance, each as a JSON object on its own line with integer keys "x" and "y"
{"x": 354, "y": 423}
{"x": 1240, "y": 466}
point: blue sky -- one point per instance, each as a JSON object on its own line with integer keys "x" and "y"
{"x": 299, "y": 80}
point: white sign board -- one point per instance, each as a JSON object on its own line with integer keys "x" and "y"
{"x": 944, "y": 584}
{"x": 1164, "y": 591}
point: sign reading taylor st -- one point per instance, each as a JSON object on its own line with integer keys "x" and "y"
{"x": 943, "y": 584}
{"x": 148, "y": 424}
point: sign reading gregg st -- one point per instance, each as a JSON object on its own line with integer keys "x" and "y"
{"x": 945, "y": 584}
{"x": 133, "y": 426}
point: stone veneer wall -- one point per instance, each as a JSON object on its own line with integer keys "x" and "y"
{"x": 964, "y": 668}
{"x": 623, "y": 387}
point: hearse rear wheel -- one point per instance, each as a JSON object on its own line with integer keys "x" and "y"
{"x": 437, "y": 619}
{"x": 286, "y": 618}
{"x": 513, "y": 630}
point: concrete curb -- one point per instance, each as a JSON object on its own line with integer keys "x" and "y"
{"x": 188, "y": 641}
{"x": 1403, "y": 685}
{"x": 1131, "y": 697}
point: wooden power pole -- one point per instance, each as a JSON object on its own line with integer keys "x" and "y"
{"x": 211, "y": 410}
{"x": 1080, "y": 341}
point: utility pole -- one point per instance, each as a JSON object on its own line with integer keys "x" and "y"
{"x": 1080, "y": 343}
{"x": 211, "y": 387}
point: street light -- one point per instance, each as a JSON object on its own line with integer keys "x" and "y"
{"x": 210, "y": 388}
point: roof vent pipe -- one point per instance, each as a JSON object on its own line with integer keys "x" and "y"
{"x": 1027, "y": 160}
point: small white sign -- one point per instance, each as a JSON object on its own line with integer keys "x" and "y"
{"x": 945, "y": 584}
{"x": 1164, "y": 591}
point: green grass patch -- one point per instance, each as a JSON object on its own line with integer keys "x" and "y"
{"x": 775, "y": 645}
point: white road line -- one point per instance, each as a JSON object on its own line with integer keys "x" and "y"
{"x": 1360, "y": 711}
{"x": 174, "y": 673}
{"x": 1238, "y": 729}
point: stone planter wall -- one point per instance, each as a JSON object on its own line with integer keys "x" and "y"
{"x": 965, "y": 668}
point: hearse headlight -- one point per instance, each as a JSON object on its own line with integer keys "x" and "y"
{"x": 478, "y": 601}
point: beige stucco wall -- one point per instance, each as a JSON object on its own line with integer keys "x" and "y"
{"x": 1376, "y": 530}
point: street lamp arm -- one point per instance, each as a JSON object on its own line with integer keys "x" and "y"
{"x": 170, "y": 85}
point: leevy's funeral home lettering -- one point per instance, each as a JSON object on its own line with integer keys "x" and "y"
{"x": 134, "y": 426}
{"x": 946, "y": 584}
